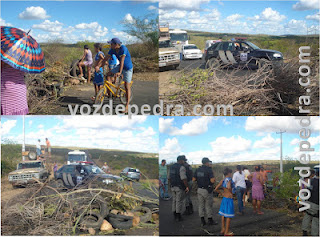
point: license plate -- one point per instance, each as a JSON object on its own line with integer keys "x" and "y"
{"x": 162, "y": 64}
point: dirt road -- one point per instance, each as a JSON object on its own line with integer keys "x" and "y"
{"x": 271, "y": 223}
{"x": 144, "y": 92}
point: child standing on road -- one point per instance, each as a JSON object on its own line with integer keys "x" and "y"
{"x": 98, "y": 73}
{"x": 226, "y": 208}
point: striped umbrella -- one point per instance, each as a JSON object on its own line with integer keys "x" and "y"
{"x": 21, "y": 51}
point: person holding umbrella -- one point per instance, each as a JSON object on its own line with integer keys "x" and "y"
{"x": 20, "y": 54}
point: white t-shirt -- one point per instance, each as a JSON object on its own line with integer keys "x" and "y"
{"x": 39, "y": 145}
{"x": 246, "y": 174}
{"x": 239, "y": 180}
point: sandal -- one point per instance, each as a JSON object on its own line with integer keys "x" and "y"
{"x": 260, "y": 213}
{"x": 229, "y": 234}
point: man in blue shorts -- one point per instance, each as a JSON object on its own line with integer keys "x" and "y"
{"x": 125, "y": 68}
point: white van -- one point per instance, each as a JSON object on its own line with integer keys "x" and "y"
{"x": 76, "y": 156}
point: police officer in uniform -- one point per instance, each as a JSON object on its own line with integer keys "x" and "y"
{"x": 205, "y": 179}
{"x": 311, "y": 217}
{"x": 179, "y": 186}
{"x": 188, "y": 202}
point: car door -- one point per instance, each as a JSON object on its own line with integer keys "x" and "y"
{"x": 246, "y": 54}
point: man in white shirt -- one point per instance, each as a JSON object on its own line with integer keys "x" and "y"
{"x": 38, "y": 146}
{"x": 240, "y": 184}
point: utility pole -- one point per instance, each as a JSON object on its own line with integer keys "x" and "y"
{"x": 281, "y": 163}
{"x": 23, "y": 143}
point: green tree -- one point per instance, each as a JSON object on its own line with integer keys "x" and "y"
{"x": 144, "y": 28}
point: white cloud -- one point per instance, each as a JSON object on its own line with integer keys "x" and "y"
{"x": 128, "y": 18}
{"x": 184, "y": 5}
{"x": 170, "y": 150}
{"x": 30, "y": 123}
{"x": 7, "y": 126}
{"x": 315, "y": 17}
{"x": 268, "y": 124}
{"x": 4, "y": 23}
{"x": 85, "y": 26}
{"x": 33, "y": 13}
{"x": 49, "y": 26}
{"x": 294, "y": 141}
{"x": 268, "y": 14}
{"x": 121, "y": 123}
{"x": 125, "y": 37}
{"x": 214, "y": 15}
{"x": 234, "y": 17}
{"x": 266, "y": 142}
{"x": 304, "y": 5}
{"x": 195, "y": 127}
{"x": 105, "y": 134}
{"x": 151, "y": 8}
{"x": 232, "y": 145}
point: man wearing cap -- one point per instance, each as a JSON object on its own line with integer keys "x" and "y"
{"x": 179, "y": 186}
{"x": 312, "y": 214}
{"x": 205, "y": 179}
{"x": 125, "y": 67}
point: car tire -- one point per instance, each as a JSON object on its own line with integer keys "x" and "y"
{"x": 32, "y": 155}
{"x": 212, "y": 63}
{"x": 121, "y": 222}
{"x": 147, "y": 215}
{"x": 92, "y": 220}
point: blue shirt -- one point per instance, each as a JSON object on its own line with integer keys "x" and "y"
{"x": 97, "y": 57}
{"x": 113, "y": 60}
{"x": 127, "y": 65}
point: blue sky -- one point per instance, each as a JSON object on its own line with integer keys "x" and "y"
{"x": 224, "y": 139}
{"x": 75, "y": 21}
{"x": 252, "y": 17}
{"x": 140, "y": 133}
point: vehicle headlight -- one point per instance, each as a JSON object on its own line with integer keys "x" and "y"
{"x": 277, "y": 55}
{"x": 108, "y": 181}
{"x": 177, "y": 56}
{"x": 10, "y": 178}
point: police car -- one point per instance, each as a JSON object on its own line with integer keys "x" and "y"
{"x": 240, "y": 52}
{"x": 82, "y": 173}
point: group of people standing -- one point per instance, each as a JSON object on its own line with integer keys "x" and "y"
{"x": 241, "y": 183}
{"x": 119, "y": 63}
{"x": 38, "y": 148}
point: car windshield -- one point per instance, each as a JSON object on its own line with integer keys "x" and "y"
{"x": 134, "y": 170}
{"x": 76, "y": 157}
{"x": 252, "y": 45}
{"x": 179, "y": 36}
{"x": 165, "y": 44}
{"x": 93, "y": 169}
{"x": 30, "y": 165}
{"x": 190, "y": 47}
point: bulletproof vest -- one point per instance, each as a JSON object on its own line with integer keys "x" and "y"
{"x": 203, "y": 179}
{"x": 189, "y": 172}
{"x": 314, "y": 191}
{"x": 175, "y": 178}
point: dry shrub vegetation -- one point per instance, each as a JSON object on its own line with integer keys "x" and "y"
{"x": 45, "y": 89}
{"x": 47, "y": 209}
{"x": 269, "y": 90}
